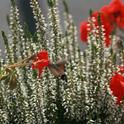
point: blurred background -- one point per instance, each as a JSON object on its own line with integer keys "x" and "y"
{"x": 78, "y": 8}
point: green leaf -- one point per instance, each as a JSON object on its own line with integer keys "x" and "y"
{"x": 65, "y": 6}
{"x": 7, "y": 80}
{"x": 4, "y": 38}
{"x": 99, "y": 19}
{"x": 51, "y": 3}
{"x": 34, "y": 74}
{"x": 8, "y": 19}
{"x": 114, "y": 58}
{"x": 13, "y": 82}
{"x": 90, "y": 12}
{"x": 13, "y": 3}
{"x": 10, "y": 79}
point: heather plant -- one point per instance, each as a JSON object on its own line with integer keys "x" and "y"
{"x": 73, "y": 88}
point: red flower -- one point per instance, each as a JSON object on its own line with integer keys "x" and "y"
{"x": 104, "y": 21}
{"x": 115, "y": 12}
{"x": 84, "y": 31}
{"x": 117, "y": 84}
{"x": 117, "y": 87}
{"x": 40, "y": 61}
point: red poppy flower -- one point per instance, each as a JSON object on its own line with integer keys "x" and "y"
{"x": 106, "y": 12}
{"x": 104, "y": 21}
{"x": 115, "y": 12}
{"x": 40, "y": 61}
{"x": 117, "y": 87}
{"x": 84, "y": 31}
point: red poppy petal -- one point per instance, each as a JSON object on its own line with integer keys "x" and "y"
{"x": 40, "y": 61}
{"x": 116, "y": 86}
{"x": 120, "y": 22}
{"x": 83, "y": 31}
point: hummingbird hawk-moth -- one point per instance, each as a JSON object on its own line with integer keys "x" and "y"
{"x": 58, "y": 69}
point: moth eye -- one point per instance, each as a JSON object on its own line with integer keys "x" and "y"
{"x": 64, "y": 77}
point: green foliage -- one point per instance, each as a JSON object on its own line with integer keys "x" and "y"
{"x": 51, "y": 3}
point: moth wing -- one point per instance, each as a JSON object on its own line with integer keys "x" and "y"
{"x": 57, "y": 70}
